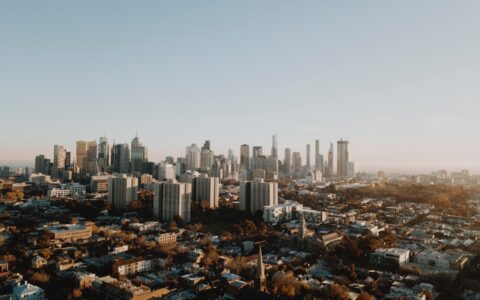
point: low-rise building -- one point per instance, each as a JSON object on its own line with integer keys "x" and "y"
{"x": 391, "y": 257}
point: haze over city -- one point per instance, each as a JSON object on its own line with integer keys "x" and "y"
{"x": 399, "y": 80}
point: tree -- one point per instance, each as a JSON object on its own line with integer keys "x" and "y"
{"x": 365, "y": 296}
{"x": 338, "y": 292}
{"x": 285, "y": 284}
{"x": 172, "y": 226}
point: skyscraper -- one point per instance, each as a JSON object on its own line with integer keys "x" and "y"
{"x": 287, "y": 162}
{"x": 206, "y": 188}
{"x": 254, "y": 195}
{"x": 330, "y": 161}
{"x": 68, "y": 159}
{"x": 206, "y": 156}
{"x": 257, "y": 157}
{"x": 244, "y": 156}
{"x": 139, "y": 155}
{"x": 121, "y": 158}
{"x": 82, "y": 148}
{"x": 318, "y": 160}
{"x": 172, "y": 199}
{"x": 296, "y": 162}
{"x": 192, "y": 157}
{"x": 91, "y": 166}
{"x": 308, "y": 158}
{"x": 342, "y": 158}
{"x": 275, "y": 146}
{"x": 103, "y": 154}
{"x": 122, "y": 190}
{"x": 58, "y": 160}
{"x": 40, "y": 163}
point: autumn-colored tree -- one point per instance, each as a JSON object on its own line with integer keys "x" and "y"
{"x": 338, "y": 292}
{"x": 365, "y": 296}
{"x": 172, "y": 226}
{"x": 285, "y": 284}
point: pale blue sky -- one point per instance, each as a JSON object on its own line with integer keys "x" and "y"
{"x": 400, "y": 79}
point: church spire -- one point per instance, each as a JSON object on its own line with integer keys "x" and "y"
{"x": 260, "y": 279}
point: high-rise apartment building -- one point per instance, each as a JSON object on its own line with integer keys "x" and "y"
{"x": 255, "y": 195}
{"x": 206, "y": 188}
{"x": 172, "y": 199}
{"x": 342, "y": 158}
{"x": 122, "y": 190}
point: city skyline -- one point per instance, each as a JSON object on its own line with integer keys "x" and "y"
{"x": 400, "y": 83}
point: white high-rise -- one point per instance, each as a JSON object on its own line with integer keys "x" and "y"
{"x": 192, "y": 157}
{"x": 172, "y": 199}
{"x": 122, "y": 190}
{"x": 206, "y": 188}
{"x": 255, "y": 195}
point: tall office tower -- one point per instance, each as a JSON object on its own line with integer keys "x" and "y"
{"x": 272, "y": 165}
{"x": 275, "y": 146}
{"x": 329, "y": 172}
{"x": 257, "y": 150}
{"x": 206, "y": 156}
{"x": 81, "y": 154}
{"x": 308, "y": 165}
{"x": 318, "y": 162}
{"x": 231, "y": 157}
{"x": 172, "y": 199}
{"x": 206, "y": 145}
{"x": 91, "y": 167}
{"x": 103, "y": 154}
{"x": 319, "y": 167}
{"x": 122, "y": 190}
{"x": 255, "y": 195}
{"x": 139, "y": 155}
{"x": 257, "y": 154}
{"x": 287, "y": 162}
{"x": 244, "y": 156}
{"x": 40, "y": 163}
{"x": 68, "y": 159}
{"x": 170, "y": 160}
{"x": 121, "y": 158}
{"x": 193, "y": 157}
{"x": 165, "y": 171}
{"x": 207, "y": 189}
{"x": 296, "y": 162}
{"x": 342, "y": 158}
{"x": 350, "y": 169}
{"x": 58, "y": 160}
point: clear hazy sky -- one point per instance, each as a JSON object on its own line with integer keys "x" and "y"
{"x": 399, "y": 79}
